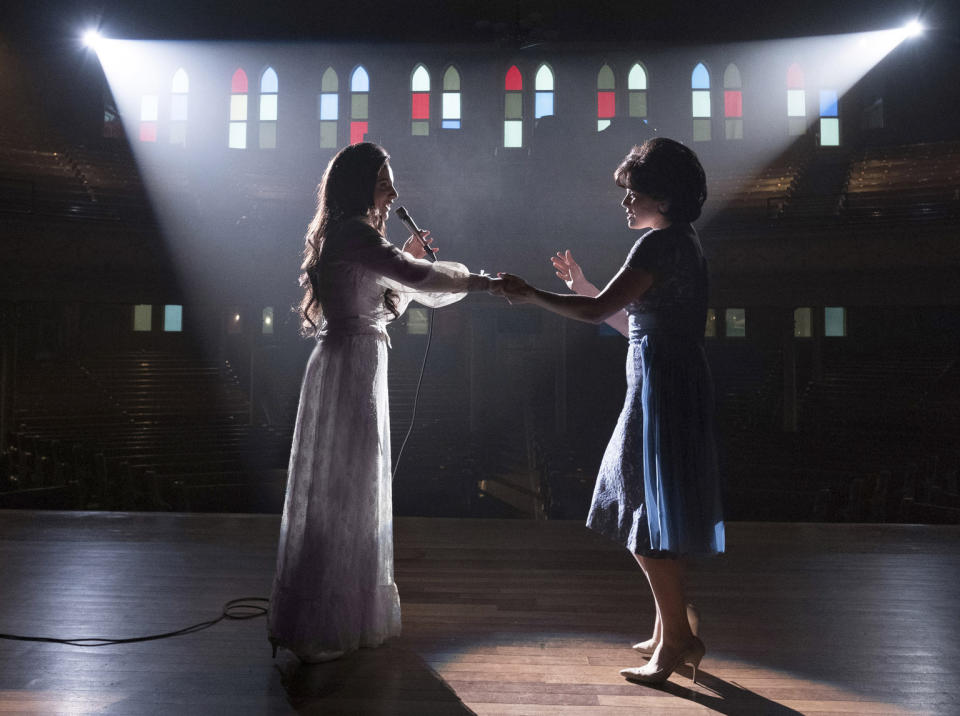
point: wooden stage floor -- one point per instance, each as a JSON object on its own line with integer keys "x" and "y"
{"x": 500, "y": 617}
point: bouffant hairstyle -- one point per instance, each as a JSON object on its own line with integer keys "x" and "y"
{"x": 666, "y": 170}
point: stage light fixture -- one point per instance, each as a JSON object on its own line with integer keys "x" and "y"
{"x": 92, "y": 39}
{"x": 913, "y": 28}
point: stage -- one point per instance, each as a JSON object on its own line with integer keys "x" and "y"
{"x": 499, "y": 616}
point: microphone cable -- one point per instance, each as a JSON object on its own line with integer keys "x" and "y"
{"x": 242, "y": 608}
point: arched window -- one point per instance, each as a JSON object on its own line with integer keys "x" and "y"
{"x": 420, "y": 101}
{"x": 796, "y": 101}
{"x": 700, "y": 82}
{"x": 513, "y": 108}
{"x": 179, "y": 89}
{"x": 359, "y": 104}
{"x": 543, "y": 92}
{"x": 149, "y": 111}
{"x": 450, "y": 118}
{"x": 269, "y": 89}
{"x": 606, "y": 98}
{"x": 637, "y": 87}
{"x": 829, "y": 118}
{"x": 328, "y": 108}
{"x": 238, "y": 110}
{"x": 732, "y": 102}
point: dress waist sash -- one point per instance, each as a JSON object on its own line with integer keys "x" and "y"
{"x": 643, "y": 324}
{"x": 355, "y": 326}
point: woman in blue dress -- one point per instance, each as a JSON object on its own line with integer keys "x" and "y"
{"x": 658, "y": 488}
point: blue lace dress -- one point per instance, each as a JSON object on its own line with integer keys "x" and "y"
{"x": 658, "y": 489}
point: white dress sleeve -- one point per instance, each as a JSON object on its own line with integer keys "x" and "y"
{"x": 433, "y": 284}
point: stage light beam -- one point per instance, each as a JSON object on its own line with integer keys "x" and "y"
{"x": 93, "y": 39}
{"x": 913, "y": 29}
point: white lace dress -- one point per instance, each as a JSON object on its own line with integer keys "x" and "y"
{"x": 334, "y": 590}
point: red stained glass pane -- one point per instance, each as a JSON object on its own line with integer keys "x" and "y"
{"x": 358, "y": 130}
{"x": 794, "y": 77}
{"x": 421, "y": 105}
{"x": 733, "y": 103}
{"x": 514, "y": 80}
{"x": 148, "y": 131}
{"x": 239, "y": 81}
{"x": 606, "y": 105}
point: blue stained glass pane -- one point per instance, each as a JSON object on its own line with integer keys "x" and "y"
{"x": 269, "y": 83}
{"x": 173, "y": 319}
{"x": 328, "y": 106}
{"x": 828, "y": 103}
{"x": 451, "y": 124}
{"x": 360, "y": 82}
{"x": 701, "y": 78}
{"x": 544, "y": 105}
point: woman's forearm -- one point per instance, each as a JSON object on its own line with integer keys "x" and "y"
{"x": 618, "y": 321}
{"x": 577, "y": 307}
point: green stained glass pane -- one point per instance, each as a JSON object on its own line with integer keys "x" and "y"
{"x": 605, "y": 79}
{"x": 420, "y": 128}
{"x": 238, "y": 135}
{"x": 268, "y": 135}
{"x": 329, "y": 83}
{"x": 451, "y": 105}
{"x": 731, "y": 77}
{"x": 638, "y": 104}
{"x": 736, "y": 322}
{"x": 359, "y": 106}
{"x": 178, "y": 133}
{"x": 513, "y": 133}
{"x": 802, "y": 323}
{"x": 143, "y": 317}
{"x": 701, "y": 103}
{"x": 701, "y": 130}
{"x": 797, "y": 126}
{"x": 451, "y": 80}
{"x": 328, "y": 135}
{"x": 829, "y": 132}
{"x": 268, "y": 107}
{"x": 238, "y": 107}
{"x": 513, "y": 105}
{"x": 734, "y": 128}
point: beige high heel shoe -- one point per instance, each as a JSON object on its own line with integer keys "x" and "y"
{"x": 692, "y": 654}
{"x": 650, "y": 645}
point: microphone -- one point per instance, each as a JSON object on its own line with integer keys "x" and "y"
{"x": 415, "y": 230}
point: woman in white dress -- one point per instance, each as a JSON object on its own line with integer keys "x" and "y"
{"x": 334, "y": 591}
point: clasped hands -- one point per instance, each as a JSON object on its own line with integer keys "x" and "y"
{"x": 516, "y": 290}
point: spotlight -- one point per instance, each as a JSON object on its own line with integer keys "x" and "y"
{"x": 913, "y": 28}
{"x": 92, "y": 39}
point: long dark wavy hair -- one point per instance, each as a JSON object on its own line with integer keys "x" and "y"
{"x": 345, "y": 191}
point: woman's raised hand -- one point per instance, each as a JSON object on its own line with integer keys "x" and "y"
{"x": 570, "y": 273}
{"x": 414, "y": 246}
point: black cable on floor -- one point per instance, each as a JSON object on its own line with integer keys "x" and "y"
{"x": 241, "y": 608}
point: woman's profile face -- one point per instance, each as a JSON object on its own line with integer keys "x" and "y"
{"x": 643, "y": 211}
{"x": 384, "y": 192}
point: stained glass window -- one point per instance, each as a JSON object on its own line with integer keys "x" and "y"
{"x": 796, "y": 101}
{"x": 700, "y": 83}
{"x": 328, "y": 108}
{"x": 238, "y": 110}
{"x": 543, "y": 92}
{"x": 735, "y": 323}
{"x": 149, "y": 111}
{"x": 829, "y": 119}
{"x": 269, "y": 89}
{"x": 513, "y": 108}
{"x": 420, "y": 101}
{"x": 834, "y": 321}
{"x": 450, "y": 118}
{"x": 606, "y": 98}
{"x": 732, "y": 103}
{"x": 359, "y": 105}
{"x": 637, "y": 89}
{"x": 172, "y": 319}
{"x": 179, "y": 89}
